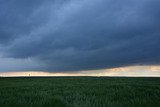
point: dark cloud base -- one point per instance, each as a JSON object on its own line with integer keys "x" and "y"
{"x": 79, "y": 35}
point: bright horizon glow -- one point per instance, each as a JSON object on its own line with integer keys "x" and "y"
{"x": 130, "y": 71}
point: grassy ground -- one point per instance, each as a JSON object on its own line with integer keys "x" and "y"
{"x": 79, "y": 92}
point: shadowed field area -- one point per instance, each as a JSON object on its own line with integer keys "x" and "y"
{"x": 79, "y": 92}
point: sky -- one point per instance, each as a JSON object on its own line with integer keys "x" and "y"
{"x": 82, "y": 37}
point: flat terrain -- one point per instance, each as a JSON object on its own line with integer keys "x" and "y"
{"x": 79, "y": 92}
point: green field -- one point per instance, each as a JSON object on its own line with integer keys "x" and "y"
{"x": 79, "y": 92}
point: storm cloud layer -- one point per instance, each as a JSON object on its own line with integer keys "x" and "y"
{"x": 74, "y": 35}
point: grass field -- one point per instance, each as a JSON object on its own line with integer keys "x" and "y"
{"x": 79, "y": 92}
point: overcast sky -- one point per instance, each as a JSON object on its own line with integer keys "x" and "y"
{"x": 78, "y": 35}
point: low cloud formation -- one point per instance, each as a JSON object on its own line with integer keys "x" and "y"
{"x": 74, "y": 35}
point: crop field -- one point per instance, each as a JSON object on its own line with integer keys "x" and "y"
{"x": 79, "y": 92}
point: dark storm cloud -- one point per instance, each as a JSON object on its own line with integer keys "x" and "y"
{"x": 81, "y": 34}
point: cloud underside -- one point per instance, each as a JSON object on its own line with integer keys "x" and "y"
{"x": 79, "y": 35}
